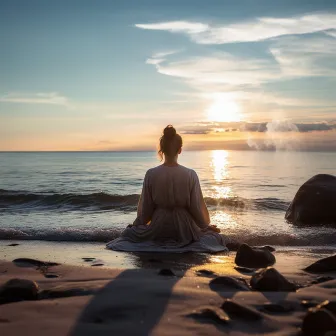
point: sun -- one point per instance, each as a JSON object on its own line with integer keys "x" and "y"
{"x": 224, "y": 108}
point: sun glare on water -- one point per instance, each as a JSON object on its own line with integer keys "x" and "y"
{"x": 224, "y": 109}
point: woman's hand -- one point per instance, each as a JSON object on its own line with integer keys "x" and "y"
{"x": 213, "y": 228}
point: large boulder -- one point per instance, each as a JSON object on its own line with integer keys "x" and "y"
{"x": 248, "y": 256}
{"x": 314, "y": 202}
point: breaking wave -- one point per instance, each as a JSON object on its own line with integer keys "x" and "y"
{"x": 14, "y": 200}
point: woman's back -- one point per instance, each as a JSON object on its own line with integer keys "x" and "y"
{"x": 171, "y": 186}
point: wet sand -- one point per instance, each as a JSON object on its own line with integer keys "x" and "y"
{"x": 132, "y": 297}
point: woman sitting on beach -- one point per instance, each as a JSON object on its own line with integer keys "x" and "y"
{"x": 171, "y": 212}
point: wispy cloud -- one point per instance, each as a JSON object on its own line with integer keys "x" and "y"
{"x": 277, "y": 126}
{"x": 52, "y": 98}
{"x": 249, "y": 31}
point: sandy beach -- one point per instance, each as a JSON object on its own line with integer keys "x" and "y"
{"x": 142, "y": 296}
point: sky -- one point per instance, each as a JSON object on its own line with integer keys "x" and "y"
{"x": 110, "y": 75}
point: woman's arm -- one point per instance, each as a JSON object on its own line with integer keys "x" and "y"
{"x": 198, "y": 208}
{"x": 146, "y": 204}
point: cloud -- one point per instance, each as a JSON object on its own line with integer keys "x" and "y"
{"x": 52, "y": 98}
{"x": 275, "y": 126}
{"x": 253, "y": 30}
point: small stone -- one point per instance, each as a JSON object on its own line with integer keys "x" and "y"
{"x": 318, "y": 322}
{"x": 166, "y": 272}
{"x": 14, "y": 244}
{"x": 18, "y": 290}
{"x": 323, "y": 265}
{"x": 204, "y": 272}
{"x": 98, "y": 264}
{"x": 210, "y": 315}
{"x": 227, "y": 283}
{"x": 253, "y": 257}
{"x": 270, "y": 280}
{"x": 329, "y": 305}
{"x": 51, "y": 275}
{"x": 88, "y": 259}
{"x": 233, "y": 308}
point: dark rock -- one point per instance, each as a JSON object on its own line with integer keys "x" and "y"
{"x": 270, "y": 280}
{"x": 51, "y": 275}
{"x": 33, "y": 262}
{"x": 210, "y": 315}
{"x": 329, "y": 305}
{"x": 283, "y": 307}
{"x": 18, "y": 290}
{"x": 13, "y": 244}
{"x": 314, "y": 202}
{"x": 244, "y": 269}
{"x": 223, "y": 283}
{"x": 88, "y": 259}
{"x": 323, "y": 265}
{"x": 233, "y": 246}
{"x": 204, "y": 272}
{"x": 98, "y": 264}
{"x": 318, "y": 322}
{"x": 166, "y": 272}
{"x": 235, "y": 309}
{"x": 253, "y": 257}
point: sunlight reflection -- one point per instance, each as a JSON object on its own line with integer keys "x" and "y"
{"x": 219, "y": 165}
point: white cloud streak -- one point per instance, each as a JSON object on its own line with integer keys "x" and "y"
{"x": 254, "y": 30}
{"x": 52, "y": 98}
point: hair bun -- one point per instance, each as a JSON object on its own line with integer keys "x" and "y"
{"x": 169, "y": 132}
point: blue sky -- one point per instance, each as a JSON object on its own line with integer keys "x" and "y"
{"x": 111, "y": 74}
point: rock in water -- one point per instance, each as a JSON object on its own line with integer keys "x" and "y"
{"x": 233, "y": 308}
{"x": 323, "y": 265}
{"x": 314, "y": 202}
{"x": 254, "y": 257}
{"x": 318, "y": 322}
{"x": 270, "y": 280}
{"x": 18, "y": 290}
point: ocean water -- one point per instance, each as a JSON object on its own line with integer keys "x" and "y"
{"x": 92, "y": 196}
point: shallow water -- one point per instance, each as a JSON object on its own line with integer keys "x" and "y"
{"x": 92, "y": 196}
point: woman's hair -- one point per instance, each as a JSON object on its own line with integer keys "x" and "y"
{"x": 170, "y": 142}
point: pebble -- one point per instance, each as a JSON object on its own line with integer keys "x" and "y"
{"x": 13, "y": 244}
{"x": 323, "y": 265}
{"x": 248, "y": 256}
{"x": 51, "y": 275}
{"x": 33, "y": 262}
{"x": 204, "y": 272}
{"x": 18, "y": 290}
{"x": 238, "y": 310}
{"x": 210, "y": 314}
{"x": 270, "y": 280}
{"x": 283, "y": 307}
